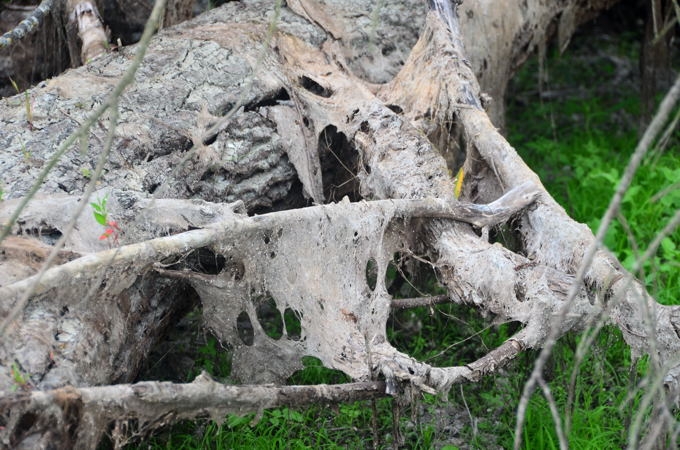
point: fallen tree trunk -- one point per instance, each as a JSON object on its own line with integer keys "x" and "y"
{"x": 229, "y": 112}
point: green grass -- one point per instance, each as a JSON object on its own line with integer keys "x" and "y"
{"x": 277, "y": 429}
{"x": 580, "y": 149}
{"x": 581, "y": 154}
{"x": 579, "y": 146}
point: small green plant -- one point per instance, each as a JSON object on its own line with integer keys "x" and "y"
{"x": 283, "y": 416}
{"x": 27, "y": 103}
{"x": 21, "y": 380}
{"x": 101, "y": 215}
{"x": 25, "y": 152}
{"x": 86, "y": 172}
{"x": 100, "y": 211}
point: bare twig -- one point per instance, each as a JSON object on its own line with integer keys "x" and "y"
{"x": 406, "y": 303}
{"x": 27, "y": 25}
{"x": 564, "y": 445}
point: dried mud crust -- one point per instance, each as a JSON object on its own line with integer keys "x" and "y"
{"x": 284, "y": 255}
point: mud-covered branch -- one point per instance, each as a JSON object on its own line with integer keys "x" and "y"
{"x": 72, "y": 411}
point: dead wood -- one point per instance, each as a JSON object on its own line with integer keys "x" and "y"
{"x": 226, "y": 111}
{"x": 87, "y": 37}
{"x": 138, "y": 409}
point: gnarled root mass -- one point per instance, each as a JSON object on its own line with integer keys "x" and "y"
{"x": 306, "y": 126}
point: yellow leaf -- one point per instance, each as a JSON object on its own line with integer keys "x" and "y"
{"x": 459, "y": 183}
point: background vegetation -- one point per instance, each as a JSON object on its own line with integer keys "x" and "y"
{"x": 576, "y": 128}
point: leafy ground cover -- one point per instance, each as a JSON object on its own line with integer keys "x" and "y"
{"x": 577, "y": 132}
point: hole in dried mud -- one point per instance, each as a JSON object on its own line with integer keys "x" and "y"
{"x": 152, "y": 188}
{"x": 269, "y": 100}
{"x": 447, "y": 334}
{"x": 210, "y": 139}
{"x": 371, "y": 274}
{"x": 388, "y": 49}
{"x": 314, "y": 87}
{"x": 47, "y": 235}
{"x": 292, "y": 318}
{"x": 269, "y": 316}
{"x": 395, "y": 108}
{"x": 206, "y": 261}
{"x": 408, "y": 277}
{"x": 449, "y": 138}
{"x": 339, "y": 163}
{"x": 245, "y": 328}
{"x": 24, "y": 425}
{"x": 509, "y": 236}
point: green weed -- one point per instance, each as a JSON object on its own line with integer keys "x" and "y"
{"x": 27, "y": 102}
{"x": 101, "y": 215}
{"x": 21, "y": 380}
